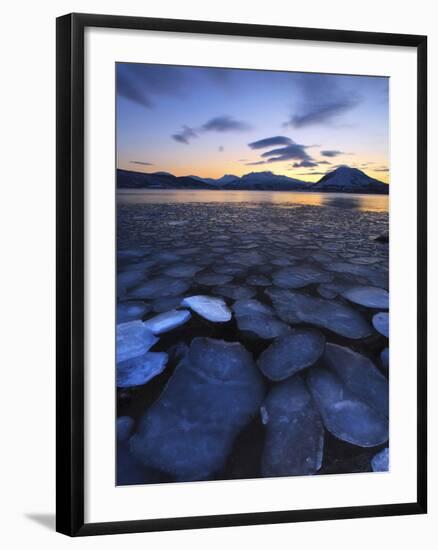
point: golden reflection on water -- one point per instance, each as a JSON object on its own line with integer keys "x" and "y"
{"x": 364, "y": 203}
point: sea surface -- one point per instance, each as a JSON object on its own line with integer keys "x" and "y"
{"x": 299, "y": 259}
{"x": 365, "y": 203}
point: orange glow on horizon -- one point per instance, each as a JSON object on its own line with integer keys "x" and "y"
{"x": 216, "y": 170}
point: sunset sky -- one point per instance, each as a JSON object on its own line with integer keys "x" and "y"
{"x": 210, "y": 122}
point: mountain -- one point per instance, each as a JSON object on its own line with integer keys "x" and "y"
{"x": 219, "y": 181}
{"x": 350, "y": 180}
{"x": 267, "y": 181}
{"x": 157, "y": 180}
{"x": 343, "y": 179}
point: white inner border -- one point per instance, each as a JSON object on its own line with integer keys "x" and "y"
{"x": 104, "y": 501}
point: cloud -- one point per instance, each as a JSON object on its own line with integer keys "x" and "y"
{"x": 185, "y": 135}
{"x": 141, "y": 82}
{"x": 322, "y": 113}
{"x": 217, "y": 124}
{"x": 220, "y": 148}
{"x": 324, "y": 98}
{"x": 331, "y": 153}
{"x": 323, "y": 162}
{"x": 256, "y": 163}
{"x": 141, "y": 162}
{"x": 310, "y": 173}
{"x": 383, "y": 169}
{"x": 242, "y": 160}
{"x": 270, "y": 142}
{"x": 305, "y": 164}
{"x": 293, "y": 151}
{"x": 224, "y": 124}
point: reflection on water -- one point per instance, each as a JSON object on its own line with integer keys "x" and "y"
{"x": 366, "y": 203}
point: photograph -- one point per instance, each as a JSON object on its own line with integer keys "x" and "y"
{"x": 252, "y": 336}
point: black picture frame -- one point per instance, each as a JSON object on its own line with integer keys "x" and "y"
{"x": 70, "y": 273}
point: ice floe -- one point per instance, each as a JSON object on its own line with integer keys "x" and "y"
{"x": 290, "y": 353}
{"x": 211, "y": 308}
{"x": 167, "y": 321}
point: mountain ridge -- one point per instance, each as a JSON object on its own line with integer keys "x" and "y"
{"x": 343, "y": 179}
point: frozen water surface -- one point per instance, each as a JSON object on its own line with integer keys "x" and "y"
{"x": 138, "y": 370}
{"x": 380, "y": 462}
{"x": 381, "y": 323}
{"x": 294, "y": 432}
{"x": 368, "y": 296}
{"x": 287, "y": 355}
{"x": 133, "y": 339}
{"x": 167, "y": 321}
{"x": 251, "y": 272}
{"x": 294, "y": 307}
{"x": 214, "y": 392}
{"x": 211, "y": 308}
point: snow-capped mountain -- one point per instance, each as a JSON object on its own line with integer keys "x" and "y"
{"x": 266, "y": 181}
{"x": 227, "y": 178}
{"x": 350, "y": 180}
{"x": 343, "y": 179}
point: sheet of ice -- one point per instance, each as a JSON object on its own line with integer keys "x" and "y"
{"x": 343, "y": 413}
{"x": 235, "y": 292}
{"x": 381, "y": 323}
{"x": 189, "y": 431}
{"x": 368, "y": 296}
{"x": 290, "y": 353}
{"x": 294, "y": 438}
{"x": 262, "y": 325}
{"x": 359, "y": 375}
{"x": 164, "y": 322}
{"x": 384, "y": 358}
{"x": 131, "y": 311}
{"x": 249, "y": 307}
{"x": 210, "y": 307}
{"x": 380, "y": 461}
{"x": 300, "y": 276}
{"x": 133, "y": 339}
{"x": 182, "y": 270}
{"x": 160, "y": 287}
{"x": 140, "y": 369}
{"x": 295, "y": 307}
{"x": 124, "y": 427}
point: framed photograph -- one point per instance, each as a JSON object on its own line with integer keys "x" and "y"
{"x": 241, "y": 267}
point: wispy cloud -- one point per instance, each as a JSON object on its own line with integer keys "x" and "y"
{"x": 141, "y": 83}
{"x": 318, "y": 114}
{"x": 141, "y": 162}
{"x": 310, "y": 173}
{"x": 219, "y": 124}
{"x": 305, "y": 164}
{"x": 225, "y": 123}
{"x": 256, "y": 163}
{"x": 323, "y": 100}
{"x": 270, "y": 142}
{"x": 289, "y": 151}
{"x": 185, "y": 135}
{"x": 331, "y": 153}
{"x": 293, "y": 151}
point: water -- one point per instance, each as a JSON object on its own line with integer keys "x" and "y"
{"x": 248, "y": 238}
{"x": 364, "y": 203}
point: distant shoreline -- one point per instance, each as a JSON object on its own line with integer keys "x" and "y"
{"x": 342, "y": 180}
{"x": 309, "y": 191}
